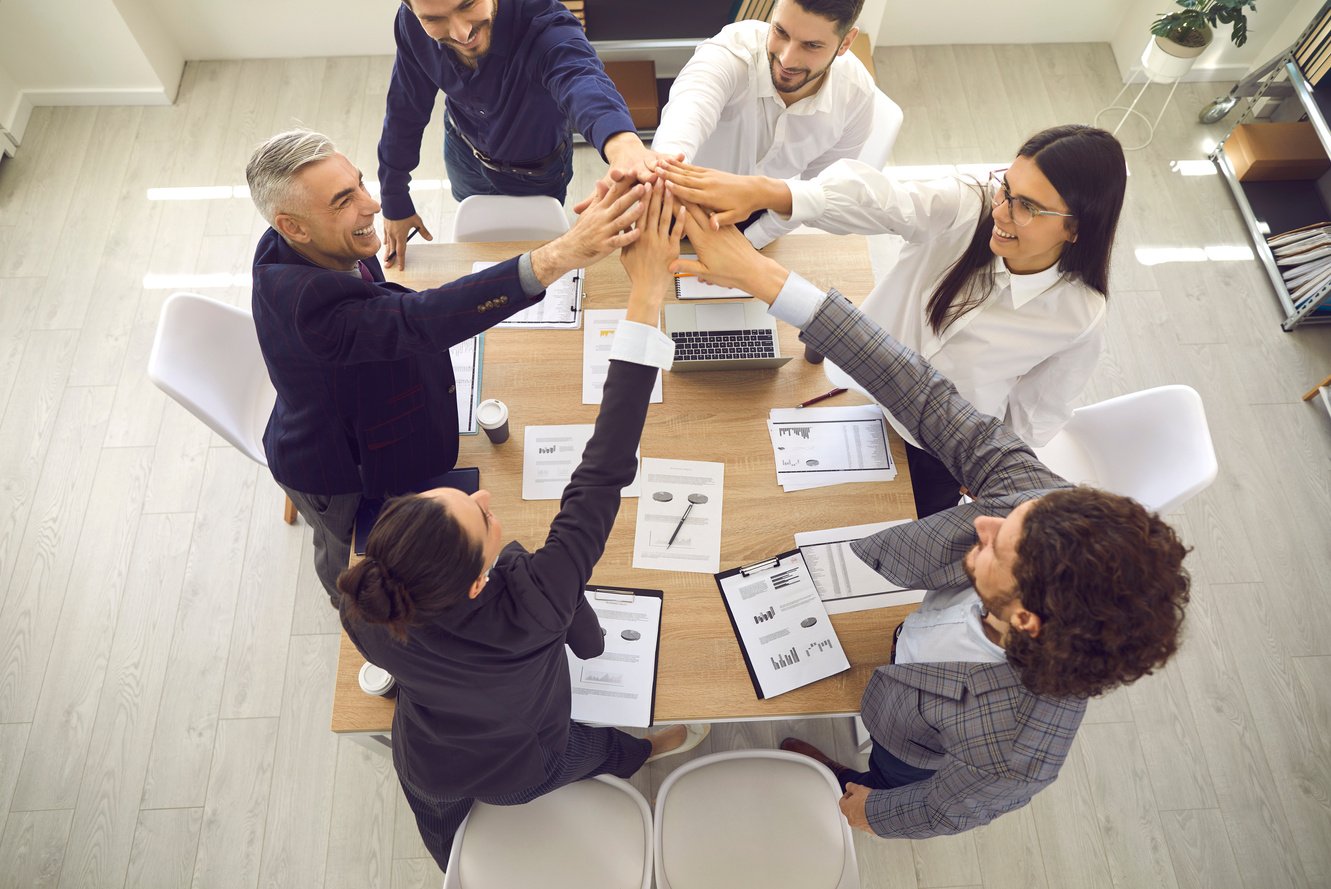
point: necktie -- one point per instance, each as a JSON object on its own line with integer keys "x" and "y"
{"x": 364, "y": 271}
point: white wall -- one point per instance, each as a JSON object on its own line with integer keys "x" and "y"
{"x": 14, "y": 111}
{"x": 909, "y": 23}
{"x": 79, "y": 46}
{"x": 262, "y": 29}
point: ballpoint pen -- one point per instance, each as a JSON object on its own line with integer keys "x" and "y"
{"x": 818, "y": 398}
{"x": 411, "y": 234}
{"x": 680, "y": 525}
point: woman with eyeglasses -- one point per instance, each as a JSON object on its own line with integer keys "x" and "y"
{"x": 1001, "y": 287}
{"x": 474, "y": 630}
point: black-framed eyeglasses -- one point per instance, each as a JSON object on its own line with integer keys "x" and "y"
{"x": 1022, "y": 211}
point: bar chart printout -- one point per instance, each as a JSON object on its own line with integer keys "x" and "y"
{"x": 781, "y": 624}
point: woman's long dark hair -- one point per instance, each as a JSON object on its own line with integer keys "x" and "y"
{"x": 1086, "y": 166}
{"x": 418, "y": 563}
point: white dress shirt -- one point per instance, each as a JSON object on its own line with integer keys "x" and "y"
{"x": 940, "y": 635}
{"x": 725, "y": 114}
{"x": 1023, "y": 355}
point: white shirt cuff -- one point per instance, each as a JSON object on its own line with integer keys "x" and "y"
{"x": 642, "y": 344}
{"x": 796, "y": 302}
{"x": 807, "y": 200}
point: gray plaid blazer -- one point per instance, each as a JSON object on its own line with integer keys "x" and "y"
{"x": 993, "y": 743}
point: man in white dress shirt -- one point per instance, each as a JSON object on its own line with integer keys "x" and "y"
{"x": 784, "y": 100}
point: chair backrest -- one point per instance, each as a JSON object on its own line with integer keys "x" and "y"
{"x": 1153, "y": 446}
{"x": 206, "y": 356}
{"x": 887, "y": 117}
{"x": 596, "y": 832}
{"x": 499, "y": 217}
{"x": 752, "y": 819}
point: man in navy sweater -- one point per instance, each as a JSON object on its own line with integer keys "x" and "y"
{"x": 366, "y": 401}
{"x": 516, "y": 74}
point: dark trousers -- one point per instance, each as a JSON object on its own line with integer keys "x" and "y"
{"x": 935, "y": 488}
{"x": 885, "y": 772}
{"x": 590, "y": 751}
{"x": 468, "y": 176}
{"x": 333, "y": 518}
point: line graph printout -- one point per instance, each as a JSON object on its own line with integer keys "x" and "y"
{"x": 619, "y": 686}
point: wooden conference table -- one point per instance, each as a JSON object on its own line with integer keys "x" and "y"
{"x": 717, "y": 416}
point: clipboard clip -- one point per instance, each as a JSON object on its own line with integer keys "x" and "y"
{"x": 758, "y": 567}
{"x": 618, "y": 596}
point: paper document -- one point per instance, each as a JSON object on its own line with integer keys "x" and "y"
{"x": 466, "y": 358}
{"x": 783, "y": 628}
{"x": 819, "y": 446}
{"x": 679, "y": 516}
{"x": 597, "y": 336}
{"x": 845, "y": 583}
{"x": 560, "y": 310}
{"x": 689, "y": 287}
{"x": 619, "y": 686}
{"x": 549, "y": 456}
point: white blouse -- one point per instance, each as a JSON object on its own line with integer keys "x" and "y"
{"x": 725, "y": 114}
{"x": 1024, "y": 354}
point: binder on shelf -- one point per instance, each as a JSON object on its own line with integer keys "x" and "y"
{"x": 782, "y": 626}
{"x": 618, "y": 687}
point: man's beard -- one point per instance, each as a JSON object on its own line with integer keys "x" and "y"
{"x": 471, "y": 57}
{"x": 772, "y": 67}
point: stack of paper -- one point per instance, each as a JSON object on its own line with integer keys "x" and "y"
{"x": 820, "y": 446}
{"x": 1304, "y": 257}
{"x": 844, "y": 581}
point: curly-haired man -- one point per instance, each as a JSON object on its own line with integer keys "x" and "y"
{"x": 1041, "y": 594}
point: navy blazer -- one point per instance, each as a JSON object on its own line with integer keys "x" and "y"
{"x": 483, "y": 690}
{"x": 366, "y": 399}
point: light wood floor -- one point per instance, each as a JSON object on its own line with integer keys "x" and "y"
{"x": 166, "y": 654}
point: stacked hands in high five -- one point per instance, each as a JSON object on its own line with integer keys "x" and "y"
{"x": 705, "y": 205}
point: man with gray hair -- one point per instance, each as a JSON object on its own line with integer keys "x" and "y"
{"x": 366, "y": 402}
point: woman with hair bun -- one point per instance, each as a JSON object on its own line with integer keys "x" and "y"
{"x": 474, "y": 630}
{"x": 1001, "y": 286}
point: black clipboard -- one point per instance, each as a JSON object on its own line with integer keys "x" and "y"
{"x": 467, "y": 480}
{"x": 744, "y": 571}
{"x": 593, "y": 589}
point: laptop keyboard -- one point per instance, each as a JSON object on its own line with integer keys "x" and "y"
{"x": 713, "y": 345}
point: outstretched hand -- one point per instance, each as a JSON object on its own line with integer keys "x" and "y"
{"x": 647, "y": 260}
{"x": 730, "y": 197}
{"x": 604, "y": 227}
{"x": 726, "y": 257}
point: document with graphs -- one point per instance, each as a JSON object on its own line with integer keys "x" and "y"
{"x": 597, "y": 336}
{"x": 618, "y": 687}
{"x": 781, "y": 623}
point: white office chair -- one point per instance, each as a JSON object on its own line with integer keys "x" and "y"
{"x": 596, "y": 832}
{"x": 752, "y": 819}
{"x": 206, "y": 356}
{"x": 498, "y": 217}
{"x": 887, "y": 117}
{"x": 1153, "y": 446}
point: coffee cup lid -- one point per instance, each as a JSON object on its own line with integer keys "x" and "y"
{"x": 375, "y": 680}
{"x": 491, "y": 412}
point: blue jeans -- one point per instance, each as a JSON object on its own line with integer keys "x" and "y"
{"x": 885, "y": 772}
{"x": 468, "y": 176}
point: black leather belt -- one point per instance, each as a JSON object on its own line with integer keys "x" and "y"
{"x": 535, "y": 168}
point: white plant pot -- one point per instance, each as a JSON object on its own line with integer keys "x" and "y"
{"x": 1164, "y": 61}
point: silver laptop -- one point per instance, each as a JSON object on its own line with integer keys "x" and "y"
{"x": 723, "y": 336}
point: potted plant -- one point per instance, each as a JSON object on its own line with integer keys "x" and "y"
{"x": 1182, "y": 36}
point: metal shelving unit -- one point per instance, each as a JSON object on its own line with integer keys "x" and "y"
{"x": 1274, "y": 207}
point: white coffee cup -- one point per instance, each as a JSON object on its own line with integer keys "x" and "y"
{"x": 492, "y": 416}
{"x": 376, "y": 680}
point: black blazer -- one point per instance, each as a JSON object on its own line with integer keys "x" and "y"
{"x": 365, "y": 391}
{"x": 484, "y": 690}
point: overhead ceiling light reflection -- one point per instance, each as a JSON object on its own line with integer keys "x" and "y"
{"x": 1149, "y": 256}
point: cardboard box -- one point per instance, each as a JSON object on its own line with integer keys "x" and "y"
{"x": 636, "y": 82}
{"x": 1267, "y": 152}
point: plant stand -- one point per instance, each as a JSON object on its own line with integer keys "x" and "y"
{"x": 1157, "y": 67}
